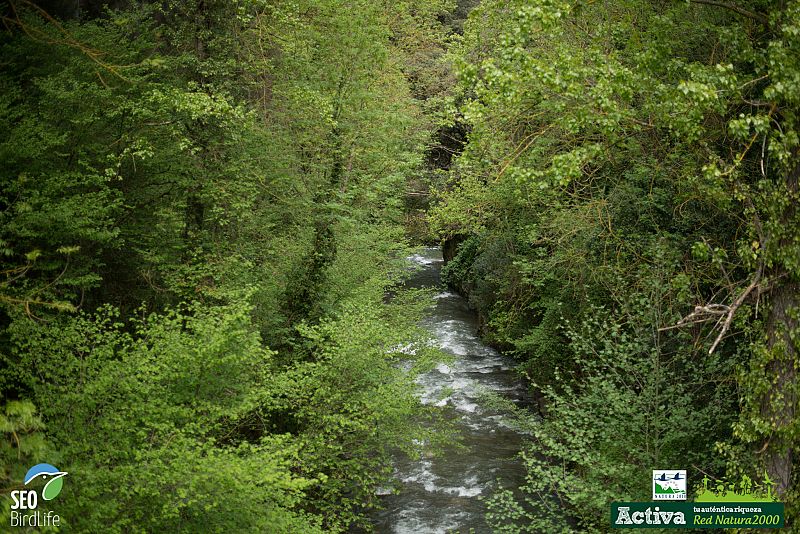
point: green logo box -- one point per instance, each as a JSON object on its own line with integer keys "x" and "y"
{"x": 666, "y": 514}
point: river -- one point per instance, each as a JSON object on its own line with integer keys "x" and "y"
{"x": 445, "y": 493}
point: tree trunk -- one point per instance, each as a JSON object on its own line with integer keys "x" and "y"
{"x": 779, "y": 404}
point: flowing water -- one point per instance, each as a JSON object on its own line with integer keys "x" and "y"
{"x": 444, "y": 494}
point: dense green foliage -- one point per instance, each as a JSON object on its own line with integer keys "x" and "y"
{"x": 200, "y": 214}
{"x": 202, "y": 211}
{"x": 626, "y": 207}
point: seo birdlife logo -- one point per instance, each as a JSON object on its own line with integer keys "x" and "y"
{"x": 52, "y": 476}
{"x": 25, "y": 502}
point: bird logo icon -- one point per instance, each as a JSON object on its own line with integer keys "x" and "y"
{"x": 669, "y": 484}
{"x": 51, "y": 475}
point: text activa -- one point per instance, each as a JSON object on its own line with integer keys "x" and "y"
{"x": 649, "y": 517}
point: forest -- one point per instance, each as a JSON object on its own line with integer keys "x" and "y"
{"x": 206, "y": 208}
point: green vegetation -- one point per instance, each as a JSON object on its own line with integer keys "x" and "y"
{"x": 202, "y": 208}
{"x": 204, "y": 205}
{"x": 626, "y": 208}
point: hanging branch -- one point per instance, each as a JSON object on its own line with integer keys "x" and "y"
{"x": 702, "y": 314}
{"x": 735, "y": 306}
{"x": 68, "y": 40}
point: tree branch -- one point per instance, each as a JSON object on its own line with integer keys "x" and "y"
{"x": 711, "y": 311}
{"x": 758, "y": 17}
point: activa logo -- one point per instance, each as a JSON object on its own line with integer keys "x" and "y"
{"x": 648, "y": 517}
{"x": 28, "y": 499}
